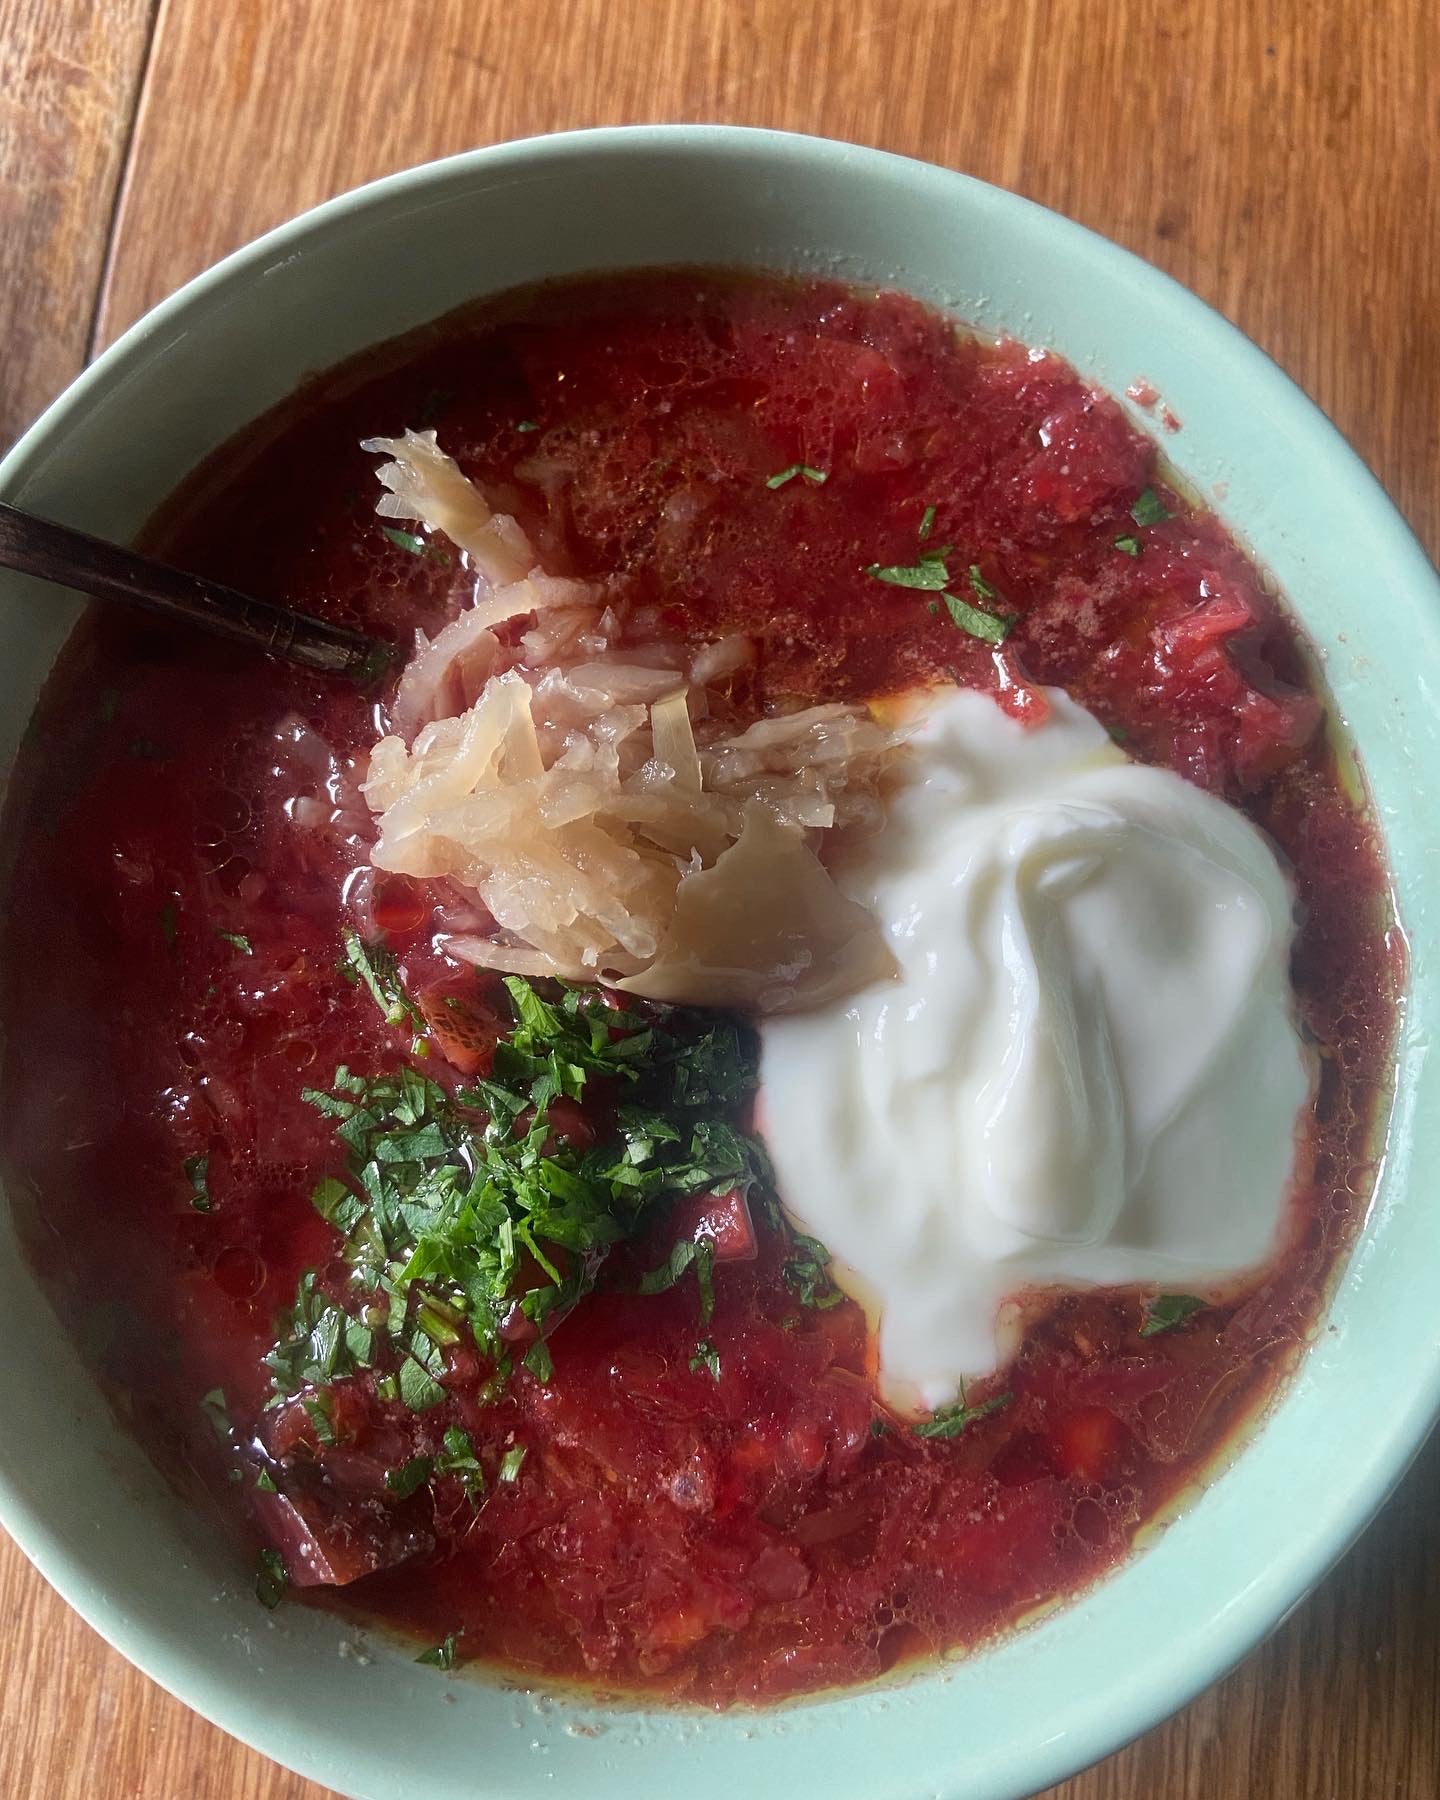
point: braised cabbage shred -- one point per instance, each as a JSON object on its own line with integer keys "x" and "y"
{"x": 590, "y": 783}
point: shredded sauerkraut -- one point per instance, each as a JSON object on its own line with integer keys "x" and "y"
{"x": 590, "y": 788}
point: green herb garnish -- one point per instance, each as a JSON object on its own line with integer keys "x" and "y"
{"x": 1149, "y": 509}
{"x": 265, "y": 1482}
{"x": 170, "y": 922}
{"x": 928, "y": 572}
{"x": 807, "y": 1274}
{"x": 197, "y": 1173}
{"x": 980, "y": 587}
{"x": 817, "y": 477}
{"x": 319, "y": 1409}
{"x": 950, "y": 1421}
{"x": 512, "y": 1462}
{"x": 688, "y": 1253}
{"x": 441, "y": 1656}
{"x": 379, "y": 969}
{"x": 528, "y": 425}
{"x": 458, "y": 1459}
{"x": 978, "y": 624}
{"x": 417, "y": 546}
{"x": 1130, "y": 545}
{"x": 1167, "y": 1311}
{"x": 706, "y": 1357}
{"x": 410, "y": 1477}
{"x": 927, "y": 522}
{"x": 458, "y": 1211}
{"x": 271, "y": 1580}
{"x": 238, "y": 939}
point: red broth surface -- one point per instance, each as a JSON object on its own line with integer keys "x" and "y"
{"x": 769, "y": 1531}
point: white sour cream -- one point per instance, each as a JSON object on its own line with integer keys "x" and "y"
{"x": 1087, "y": 1071}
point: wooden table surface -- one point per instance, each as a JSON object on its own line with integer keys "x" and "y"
{"x": 1282, "y": 157}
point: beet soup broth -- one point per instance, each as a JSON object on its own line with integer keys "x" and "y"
{"x": 674, "y": 1472}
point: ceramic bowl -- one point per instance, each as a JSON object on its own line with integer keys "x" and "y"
{"x": 152, "y": 1576}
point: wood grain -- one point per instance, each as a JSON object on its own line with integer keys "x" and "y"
{"x": 1278, "y": 156}
{"x": 69, "y": 78}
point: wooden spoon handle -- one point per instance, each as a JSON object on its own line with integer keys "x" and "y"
{"x": 73, "y": 559}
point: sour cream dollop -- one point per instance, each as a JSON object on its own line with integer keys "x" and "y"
{"x": 1087, "y": 1071}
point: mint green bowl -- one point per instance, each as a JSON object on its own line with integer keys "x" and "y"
{"x": 87, "y": 1507}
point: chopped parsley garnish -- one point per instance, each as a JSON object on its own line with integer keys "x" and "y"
{"x": 930, "y": 573}
{"x": 458, "y": 1459}
{"x": 417, "y": 546}
{"x": 322, "y": 1342}
{"x": 1129, "y": 544}
{"x": 379, "y": 969}
{"x": 440, "y": 1656}
{"x": 927, "y": 572}
{"x": 807, "y": 1274}
{"x": 197, "y": 1173}
{"x": 319, "y": 1410}
{"x": 1167, "y": 1311}
{"x": 271, "y": 1580}
{"x": 687, "y": 1253}
{"x": 817, "y": 477}
{"x": 528, "y": 425}
{"x": 1149, "y": 509}
{"x": 410, "y": 1477}
{"x": 266, "y": 1483}
{"x": 512, "y": 1462}
{"x": 950, "y": 1421}
{"x": 459, "y": 1212}
{"x": 980, "y": 587}
{"x": 983, "y": 625}
{"x": 927, "y": 521}
{"x": 706, "y": 1357}
{"x": 238, "y": 939}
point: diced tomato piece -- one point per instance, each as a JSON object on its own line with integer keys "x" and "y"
{"x": 723, "y": 1221}
{"x": 1086, "y": 1440}
{"x": 463, "y": 1027}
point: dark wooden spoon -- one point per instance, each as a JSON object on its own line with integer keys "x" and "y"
{"x": 73, "y": 559}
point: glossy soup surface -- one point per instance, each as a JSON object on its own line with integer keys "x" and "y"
{"x": 766, "y": 1530}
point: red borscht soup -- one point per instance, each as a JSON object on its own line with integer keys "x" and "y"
{"x": 395, "y": 1156}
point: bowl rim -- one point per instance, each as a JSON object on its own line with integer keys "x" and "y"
{"x": 1174, "y": 1671}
